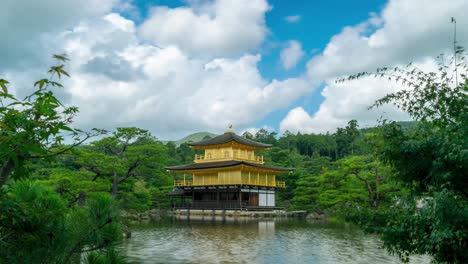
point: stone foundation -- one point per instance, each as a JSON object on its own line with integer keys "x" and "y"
{"x": 239, "y": 213}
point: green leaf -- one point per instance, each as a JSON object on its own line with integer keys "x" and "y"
{"x": 41, "y": 83}
{"x": 3, "y": 84}
{"x": 62, "y": 57}
{"x": 58, "y": 70}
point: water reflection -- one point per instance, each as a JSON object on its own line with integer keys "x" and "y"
{"x": 234, "y": 240}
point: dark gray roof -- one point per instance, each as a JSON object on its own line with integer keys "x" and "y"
{"x": 227, "y": 137}
{"x": 223, "y": 164}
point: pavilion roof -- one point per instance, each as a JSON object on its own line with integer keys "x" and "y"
{"x": 228, "y": 137}
{"x": 224, "y": 164}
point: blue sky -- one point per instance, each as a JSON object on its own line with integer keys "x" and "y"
{"x": 319, "y": 21}
{"x": 178, "y": 67}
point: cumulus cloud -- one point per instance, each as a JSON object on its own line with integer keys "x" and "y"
{"x": 196, "y": 74}
{"x": 292, "y": 18}
{"x": 211, "y": 28}
{"x": 291, "y": 54}
{"x": 343, "y": 102}
{"x": 25, "y": 25}
{"x": 116, "y": 81}
{"x": 196, "y": 68}
{"x": 405, "y": 31}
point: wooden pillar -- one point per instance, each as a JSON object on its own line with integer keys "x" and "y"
{"x": 193, "y": 197}
{"x": 240, "y": 198}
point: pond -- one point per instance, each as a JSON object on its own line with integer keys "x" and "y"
{"x": 253, "y": 241}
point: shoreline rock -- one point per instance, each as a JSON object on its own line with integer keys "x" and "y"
{"x": 316, "y": 216}
{"x": 150, "y": 215}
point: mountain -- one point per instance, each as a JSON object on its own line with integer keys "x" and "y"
{"x": 199, "y": 136}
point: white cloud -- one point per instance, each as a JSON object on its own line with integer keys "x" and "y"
{"x": 116, "y": 81}
{"x": 171, "y": 88}
{"x": 197, "y": 68}
{"x": 25, "y": 25}
{"x": 343, "y": 102}
{"x": 293, "y": 18}
{"x": 291, "y": 54}
{"x": 211, "y": 28}
{"x": 405, "y": 31}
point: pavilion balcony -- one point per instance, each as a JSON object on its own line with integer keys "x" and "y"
{"x": 238, "y": 156}
{"x": 217, "y": 182}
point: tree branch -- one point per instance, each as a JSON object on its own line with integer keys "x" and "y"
{"x": 389, "y": 191}
{"x": 95, "y": 248}
{"x": 63, "y": 151}
{"x": 369, "y": 187}
{"x": 6, "y": 171}
{"x": 78, "y": 244}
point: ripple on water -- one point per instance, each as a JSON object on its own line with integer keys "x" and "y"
{"x": 171, "y": 241}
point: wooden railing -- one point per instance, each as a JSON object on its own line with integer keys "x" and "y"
{"x": 251, "y": 158}
{"x": 211, "y": 205}
{"x": 280, "y": 184}
{"x": 213, "y": 182}
{"x": 182, "y": 183}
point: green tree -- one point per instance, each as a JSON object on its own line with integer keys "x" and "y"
{"x": 128, "y": 153}
{"x": 372, "y": 174}
{"x": 264, "y": 136}
{"x": 307, "y": 187}
{"x": 346, "y": 139}
{"x": 286, "y": 141}
{"x": 185, "y": 153}
{"x": 30, "y": 128}
{"x": 248, "y": 135}
{"x": 430, "y": 160}
{"x": 36, "y": 224}
{"x": 172, "y": 153}
{"x": 353, "y": 133}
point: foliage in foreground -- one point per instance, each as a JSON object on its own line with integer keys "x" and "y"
{"x": 31, "y": 127}
{"x": 431, "y": 161}
{"x": 37, "y": 226}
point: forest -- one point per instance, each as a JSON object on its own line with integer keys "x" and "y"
{"x": 63, "y": 190}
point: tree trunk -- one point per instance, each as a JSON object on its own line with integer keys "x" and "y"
{"x": 115, "y": 184}
{"x": 369, "y": 188}
{"x": 377, "y": 185}
{"x": 371, "y": 194}
{"x": 6, "y": 171}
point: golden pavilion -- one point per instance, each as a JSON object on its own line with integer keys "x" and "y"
{"x": 227, "y": 176}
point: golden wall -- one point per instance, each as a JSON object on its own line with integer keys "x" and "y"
{"x": 237, "y": 177}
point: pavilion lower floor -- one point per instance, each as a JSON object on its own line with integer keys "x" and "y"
{"x": 224, "y": 197}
